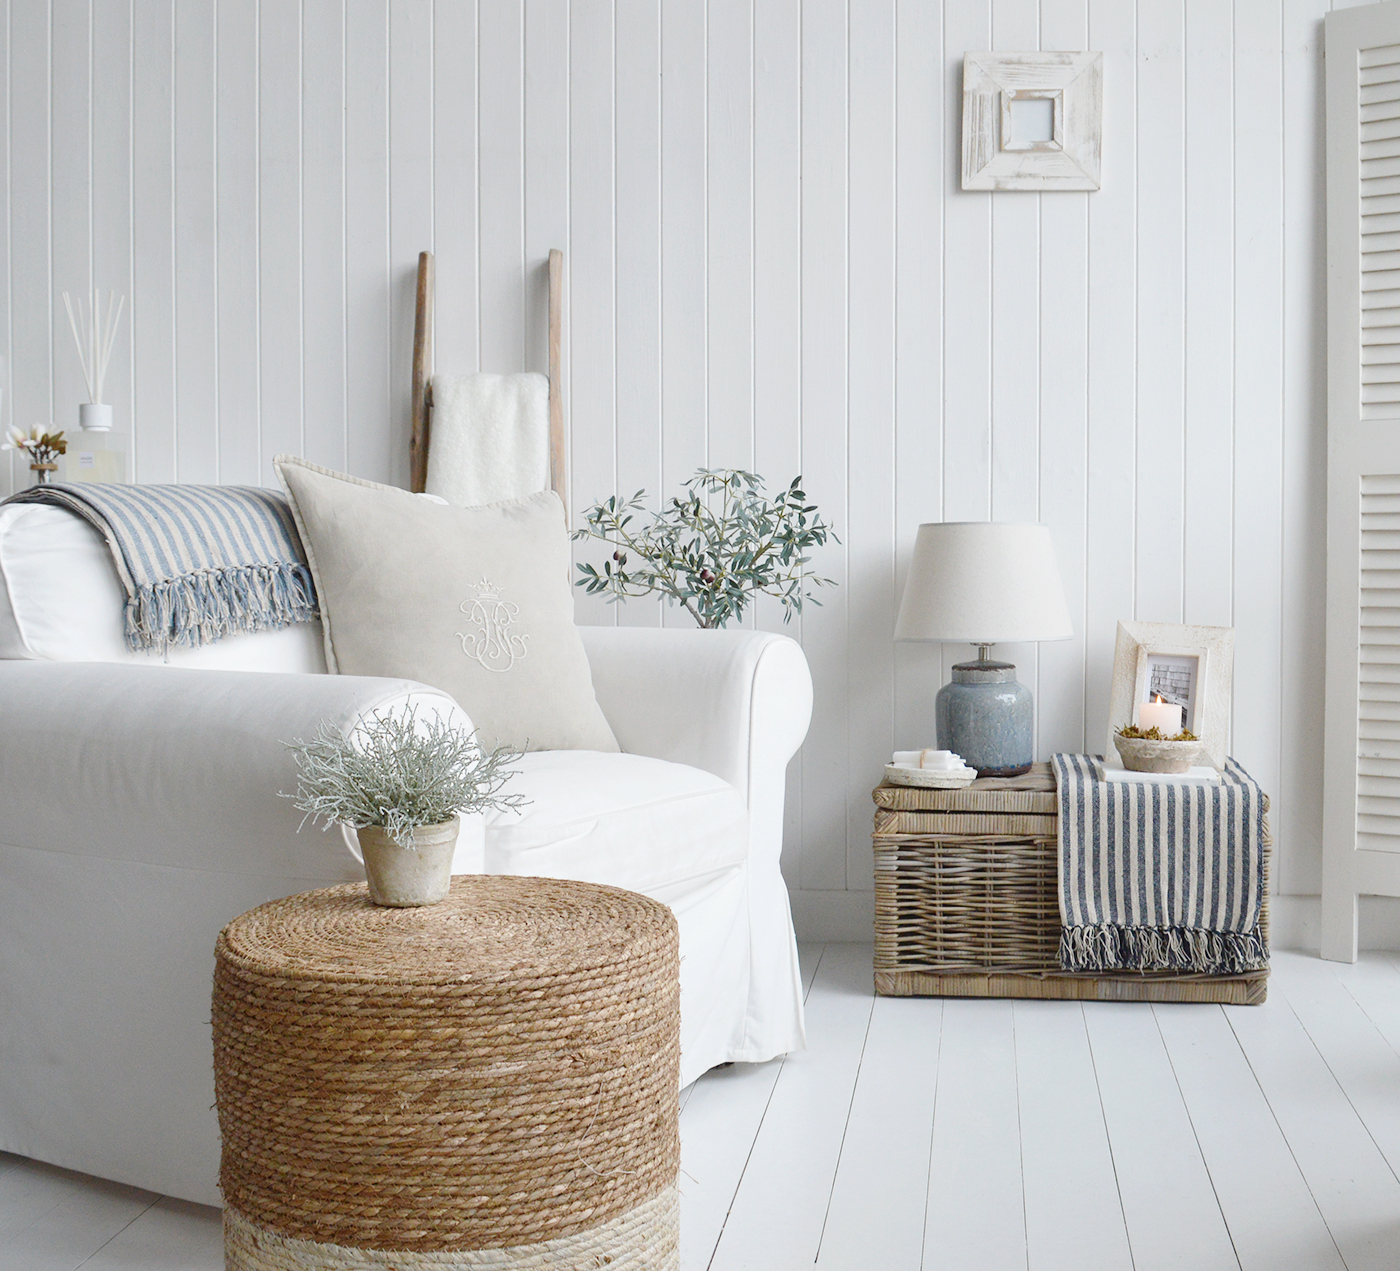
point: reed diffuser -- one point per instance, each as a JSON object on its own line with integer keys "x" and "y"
{"x": 94, "y": 330}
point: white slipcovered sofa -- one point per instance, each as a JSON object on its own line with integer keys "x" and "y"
{"x": 139, "y": 812}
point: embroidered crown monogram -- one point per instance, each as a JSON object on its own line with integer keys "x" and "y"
{"x": 489, "y": 639}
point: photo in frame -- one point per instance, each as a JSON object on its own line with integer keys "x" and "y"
{"x": 1190, "y": 666}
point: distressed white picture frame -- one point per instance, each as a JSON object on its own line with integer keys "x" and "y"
{"x": 1138, "y": 643}
{"x": 1070, "y": 159}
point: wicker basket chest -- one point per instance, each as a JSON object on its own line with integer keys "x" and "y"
{"x": 966, "y": 902}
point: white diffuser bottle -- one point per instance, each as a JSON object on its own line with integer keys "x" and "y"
{"x": 95, "y": 452}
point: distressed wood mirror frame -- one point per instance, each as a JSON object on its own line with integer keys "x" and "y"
{"x": 993, "y": 159}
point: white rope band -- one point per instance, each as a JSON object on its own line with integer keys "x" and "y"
{"x": 646, "y": 1238}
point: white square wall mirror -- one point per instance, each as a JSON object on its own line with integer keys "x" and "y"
{"x": 1032, "y": 121}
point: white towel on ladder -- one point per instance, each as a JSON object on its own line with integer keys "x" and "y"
{"x": 490, "y": 437}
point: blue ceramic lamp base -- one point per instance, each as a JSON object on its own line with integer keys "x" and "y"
{"x": 985, "y": 716}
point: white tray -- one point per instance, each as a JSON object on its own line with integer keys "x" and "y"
{"x": 898, "y": 774}
{"x": 1200, "y": 775}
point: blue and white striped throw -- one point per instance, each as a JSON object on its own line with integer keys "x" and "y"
{"x": 197, "y": 561}
{"x": 1157, "y": 876}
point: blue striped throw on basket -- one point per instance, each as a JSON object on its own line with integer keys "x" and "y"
{"x": 198, "y": 561}
{"x": 1157, "y": 876}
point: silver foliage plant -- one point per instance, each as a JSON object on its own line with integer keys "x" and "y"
{"x": 711, "y": 550}
{"x": 393, "y": 771}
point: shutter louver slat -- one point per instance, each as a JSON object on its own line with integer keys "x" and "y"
{"x": 1378, "y": 688}
{"x": 1380, "y": 223}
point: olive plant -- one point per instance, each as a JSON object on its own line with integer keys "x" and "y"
{"x": 712, "y": 549}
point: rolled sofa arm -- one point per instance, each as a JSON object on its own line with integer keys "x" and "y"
{"x": 177, "y": 767}
{"x": 734, "y": 703}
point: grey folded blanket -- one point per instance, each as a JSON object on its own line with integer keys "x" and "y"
{"x": 1160, "y": 877}
{"x": 198, "y": 561}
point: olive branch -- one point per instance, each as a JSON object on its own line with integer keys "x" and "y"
{"x": 712, "y": 549}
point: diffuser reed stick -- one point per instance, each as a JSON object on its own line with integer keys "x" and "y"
{"x": 93, "y": 332}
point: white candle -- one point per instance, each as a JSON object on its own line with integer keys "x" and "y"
{"x": 1162, "y": 715}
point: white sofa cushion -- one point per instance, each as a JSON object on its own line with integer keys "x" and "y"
{"x": 61, "y": 601}
{"x": 625, "y": 820}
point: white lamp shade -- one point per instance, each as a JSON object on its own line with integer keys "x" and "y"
{"x": 983, "y": 582}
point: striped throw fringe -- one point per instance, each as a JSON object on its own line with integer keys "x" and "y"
{"x": 200, "y": 608}
{"x": 1190, "y": 950}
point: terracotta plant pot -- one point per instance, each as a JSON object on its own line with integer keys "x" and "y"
{"x": 403, "y": 877}
{"x": 1142, "y": 754}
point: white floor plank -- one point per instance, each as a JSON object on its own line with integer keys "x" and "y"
{"x": 172, "y": 1235}
{"x": 718, "y": 1127}
{"x": 1374, "y": 983}
{"x": 885, "y": 1157}
{"x": 1357, "y": 1193}
{"x": 1273, "y": 1221}
{"x": 1173, "y": 1218}
{"x": 53, "y": 1220}
{"x": 809, "y": 957}
{"x": 1359, "y": 1058}
{"x": 1074, "y": 1217}
{"x": 777, "y": 1216}
{"x": 976, "y": 1206}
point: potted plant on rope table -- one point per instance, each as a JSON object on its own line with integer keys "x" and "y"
{"x": 403, "y": 786}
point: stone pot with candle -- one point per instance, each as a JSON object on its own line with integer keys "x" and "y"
{"x": 1156, "y": 754}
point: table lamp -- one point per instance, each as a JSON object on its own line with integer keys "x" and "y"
{"x": 986, "y": 583}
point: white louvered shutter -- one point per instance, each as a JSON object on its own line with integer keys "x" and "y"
{"x": 1361, "y": 772}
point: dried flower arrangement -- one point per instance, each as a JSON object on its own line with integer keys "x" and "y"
{"x": 1155, "y": 734}
{"x": 711, "y": 550}
{"x": 393, "y": 771}
{"x": 42, "y": 447}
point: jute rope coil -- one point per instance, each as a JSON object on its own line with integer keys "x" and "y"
{"x": 494, "y": 1071}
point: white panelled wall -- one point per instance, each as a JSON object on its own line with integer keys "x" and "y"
{"x": 770, "y": 264}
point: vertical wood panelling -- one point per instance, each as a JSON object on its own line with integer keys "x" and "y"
{"x": 454, "y": 223}
{"x": 1298, "y": 807}
{"x": 1161, "y": 266}
{"x": 410, "y": 173}
{"x": 1110, "y": 457}
{"x": 1211, "y": 219}
{"x": 683, "y": 242}
{"x": 323, "y": 230}
{"x": 370, "y": 398}
{"x": 729, "y": 233}
{"x": 871, "y": 369}
{"x": 592, "y": 263}
{"x": 921, "y": 157}
{"x": 71, "y": 227}
{"x": 1258, "y": 386}
{"x": 236, "y": 144}
{"x": 500, "y": 143}
{"x": 825, "y": 238}
{"x": 196, "y": 245}
{"x": 279, "y": 234}
{"x": 637, "y": 243}
{"x": 155, "y": 443}
{"x": 31, "y": 305}
{"x": 770, "y": 262}
{"x": 1064, "y": 375}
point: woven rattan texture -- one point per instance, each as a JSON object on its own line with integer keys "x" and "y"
{"x": 643, "y": 1239}
{"x": 497, "y": 1069}
{"x": 966, "y": 901}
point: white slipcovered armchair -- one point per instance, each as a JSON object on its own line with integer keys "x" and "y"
{"x": 139, "y": 812}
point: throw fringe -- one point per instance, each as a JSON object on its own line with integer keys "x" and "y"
{"x": 1107, "y": 947}
{"x": 202, "y": 607}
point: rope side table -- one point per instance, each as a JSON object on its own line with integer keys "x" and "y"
{"x": 488, "y": 1082}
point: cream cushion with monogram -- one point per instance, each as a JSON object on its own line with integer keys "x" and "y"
{"x": 473, "y": 601}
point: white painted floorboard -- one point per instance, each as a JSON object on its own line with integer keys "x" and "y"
{"x": 970, "y": 1136}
